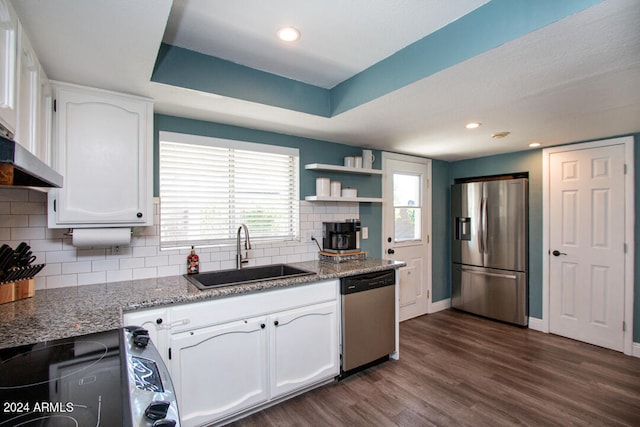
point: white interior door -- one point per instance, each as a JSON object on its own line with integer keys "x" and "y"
{"x": 407, "y": 228}
{"x": 587, "y": 245}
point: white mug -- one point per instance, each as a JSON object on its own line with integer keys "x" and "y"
{"x": 323, "y": 187}
{"x": 335, "y": 188}
{"x": 367, "y": 159}
{"x": 349, "y": 161}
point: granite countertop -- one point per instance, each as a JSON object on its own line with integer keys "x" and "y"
{"x": 65, "y": 312}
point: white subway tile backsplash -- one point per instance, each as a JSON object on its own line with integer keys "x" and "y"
{"x": 91, "y": 254}
{"x": 131, "y": 263}
{"x": 76, "y": 267}
{"x": 26, "y": 208}
{"x": 61, "y": 281}
{"x": 23, "y": 218}
{"x": 145, "y": 273}
{"x": 156, "y": 261}
{"x": 27, "y": 233}
{"x": 13, "y": 195}
{"x": 145, "y": 251}
{"x": 119, "y": 275}
{"x": 91, "y": 278}
{"x": 7, "y": 220}
{"x": 170, "y": 270}
{"x": 60, "y": 256}
{"x": 37, "y": 221}
{"x": 105, "y": 265}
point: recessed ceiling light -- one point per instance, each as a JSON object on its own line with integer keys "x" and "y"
{"x": 534, "y": 144}
{"x": 499, "y": 135}
{"x": 288, "y": 34}
{"x": 472, "y": 125}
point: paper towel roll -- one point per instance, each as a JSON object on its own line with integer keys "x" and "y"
{"x": 100, "y": 237}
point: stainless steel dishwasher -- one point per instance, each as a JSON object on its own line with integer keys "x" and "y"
{"x": 368, "y": 319}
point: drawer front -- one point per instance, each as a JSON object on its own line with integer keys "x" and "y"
{"x": 207, "y": 313}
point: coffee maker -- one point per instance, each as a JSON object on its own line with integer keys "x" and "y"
{"x": 341, "y": 237}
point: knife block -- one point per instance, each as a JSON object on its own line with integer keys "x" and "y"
{"x": 14, "y": 291}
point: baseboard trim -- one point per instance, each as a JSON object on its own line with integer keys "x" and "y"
{"x": 443, "y": 304}
{"x": 536, "y": 324}
{"x": 635, "y": 349}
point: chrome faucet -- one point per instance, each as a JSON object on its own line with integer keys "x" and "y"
{"x": 247, "y": 246}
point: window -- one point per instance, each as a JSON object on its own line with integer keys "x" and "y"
{"x": 209, "y": 186}
{"x": 407, "y": 207}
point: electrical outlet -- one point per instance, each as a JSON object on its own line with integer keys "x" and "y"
{"x": 364, "y": 232}
{"x": 115, "y": 250}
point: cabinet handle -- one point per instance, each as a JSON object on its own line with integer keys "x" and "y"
{"x": 276, "y": 323}
{"x": 262, "y": 326}
{"x": 159, "y": 320}
{"x": 139, "y": 214}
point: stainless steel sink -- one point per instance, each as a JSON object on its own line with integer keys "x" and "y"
{"x": 215, "y": 279}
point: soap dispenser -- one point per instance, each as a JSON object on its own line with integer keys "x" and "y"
{"x": 193, "y": 263}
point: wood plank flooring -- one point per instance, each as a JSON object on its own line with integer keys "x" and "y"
{"x": 456, "y": 369}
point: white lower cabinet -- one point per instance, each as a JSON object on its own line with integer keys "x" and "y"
{"x": 230, "y": 355}
{"x": 219, "y": 371}
{"x": 303, "y": 347}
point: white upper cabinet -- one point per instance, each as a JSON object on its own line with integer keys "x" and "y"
{"x": 28, "y": 95}
{"x": 103, "y": 146}
{"x": 8, "y": 64}
{"x": 45, "y": 116}
{"x": 25, "y": 94}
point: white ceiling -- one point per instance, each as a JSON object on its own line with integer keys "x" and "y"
{"x": 339, "y": 38}
{"x": 574, "y": 80}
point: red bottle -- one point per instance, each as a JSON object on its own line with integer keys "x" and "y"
{"x": 193, "y": 263}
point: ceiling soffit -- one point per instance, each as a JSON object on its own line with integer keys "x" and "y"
{"x": 465, "y": 38}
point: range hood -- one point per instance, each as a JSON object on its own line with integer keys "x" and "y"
{"x": 20, "y": 168}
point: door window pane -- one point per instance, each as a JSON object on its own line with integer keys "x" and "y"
{"x": 407, "y": 207}
{"x": 407, "y": 224}
{"x": 406, "y": 190}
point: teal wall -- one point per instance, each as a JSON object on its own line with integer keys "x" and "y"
{"x": 311, "y": 151}
{"x": 441, "y": 248}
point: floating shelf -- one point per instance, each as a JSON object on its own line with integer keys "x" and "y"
{"x": 345, "y": 169}
{"x": 343, "y": 199}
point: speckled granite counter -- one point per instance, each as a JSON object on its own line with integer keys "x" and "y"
{"x": 64, "y": 312}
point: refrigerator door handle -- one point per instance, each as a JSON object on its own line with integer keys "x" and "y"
{"x": 479, "y": 228}
{"x": 482, "y": 273}
{"x": 482, "y": 234}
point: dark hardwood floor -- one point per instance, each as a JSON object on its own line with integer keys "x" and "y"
{"x": 456, "y": 369}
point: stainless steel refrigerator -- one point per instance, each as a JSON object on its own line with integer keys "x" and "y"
{"x": 490, "y": 249}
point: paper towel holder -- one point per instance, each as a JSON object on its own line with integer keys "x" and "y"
{"x": 100, "y": 237}
{"x": 69, "y": 232}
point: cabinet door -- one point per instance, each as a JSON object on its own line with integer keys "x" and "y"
{"x": 104, "y": 153}
{"x": 45, "y": 113}
{"x": 8, "y": 64}
{"x": 28, "y": 95}
{"x": 219, "y": 371}
{"x": 155, "y": 321}
{"x": 303, "y": 347}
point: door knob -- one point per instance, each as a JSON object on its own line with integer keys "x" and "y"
{"x": 557, "y": 253}
{"x": 391, "y": 251}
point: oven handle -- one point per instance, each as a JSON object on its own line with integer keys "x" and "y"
{"x": 175, "y": 323}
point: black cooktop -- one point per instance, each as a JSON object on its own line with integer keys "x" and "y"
{"x": 74, "y": 381}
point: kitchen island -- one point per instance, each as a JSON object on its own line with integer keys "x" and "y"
{"x": 64, "y": 312}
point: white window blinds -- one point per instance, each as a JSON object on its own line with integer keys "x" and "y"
{"x": 209, "y": 186}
